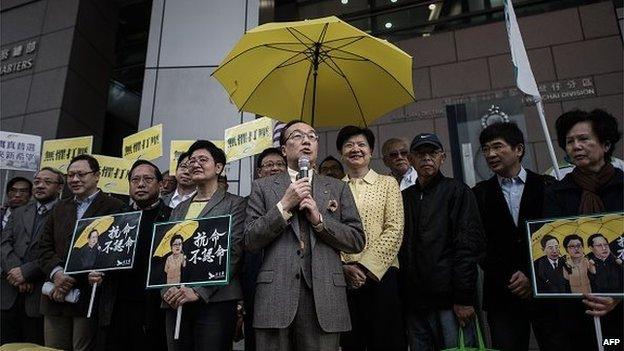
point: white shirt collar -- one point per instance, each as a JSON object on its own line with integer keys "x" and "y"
{"x": 522, "y": 176}
{"x": 294, "y": 174}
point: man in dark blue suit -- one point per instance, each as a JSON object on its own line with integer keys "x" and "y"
{"x": 549, "y": 268}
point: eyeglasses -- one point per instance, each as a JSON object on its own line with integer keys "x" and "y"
{"x": 298, "y": 136}
{"x": 495, "y": 147}
{"x": 18, "y": 191}
{"x": 577, "y": 246}
{"x": 200, "y": 160}
{"x": 396, "y": 154}
{"x": 273, "y": 164}
{"x": 183, "y": 166}
{"x": 80, "y": 175}
{"x": 44, "y": 181}
{"x": 176, "y": 244}
{"x": 146, "y": 180}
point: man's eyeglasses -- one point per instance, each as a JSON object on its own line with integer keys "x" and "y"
{"x": 298, "y": 136}
{"x": 495, "y": 147}
{"x": 396, "y": 154}
{"x": 146, "y": 180}
{"x": 18, "y": 191}
{"x": 273, "y": 164}
{"x": 577, "y": 246}
{"x": 80, "y": 175}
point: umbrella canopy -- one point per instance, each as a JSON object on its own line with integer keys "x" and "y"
{"x": 611, "y": 226}
{"x": 323, "y": 71}
{"x": 100, "y": 225}
{"x": 186, "y": 229}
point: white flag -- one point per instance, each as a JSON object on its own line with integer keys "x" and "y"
{"x": 524, "y": 75}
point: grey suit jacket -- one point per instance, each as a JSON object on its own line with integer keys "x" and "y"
{"x": 19, "y": 249}
{"x": 277, "y": 286}
{"x": 222, "y": 203}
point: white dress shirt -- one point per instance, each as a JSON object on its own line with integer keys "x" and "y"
{"x": 409, "y": 178}
{"x": 512, "y": 190}
{"x": 177, "y": 198}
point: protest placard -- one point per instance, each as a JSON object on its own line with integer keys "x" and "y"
{"x": 576, "y": 255}
{"x": 248, "y": 139}
{"x": 146, "y": 144}
{"x": 114, "y": 174}
{"x": 190, "y": 252}
{"x": 19, "y": 151}
{"x": 103, "y": 243}
{"x": 58, "y": 152}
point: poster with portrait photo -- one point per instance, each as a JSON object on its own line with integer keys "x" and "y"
{"x": 104, "y": 243}
{"x": 576, "y": 255}
{"x": 194, "y": 252}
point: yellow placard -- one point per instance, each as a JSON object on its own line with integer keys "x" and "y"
{"x": 114, "y": 174}
{"x": 248, "y": 139}
{"x": 58, "y": 152}
{"x": 176, "y": 148}
{"x": 146, "y": 144}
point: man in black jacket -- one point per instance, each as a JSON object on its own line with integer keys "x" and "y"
{"x": 442, "y": 244}
{"x": 506, "y": 201}
{"x": 137, "y": 322}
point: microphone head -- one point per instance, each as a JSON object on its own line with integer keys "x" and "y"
{"x": 304, "y": 162}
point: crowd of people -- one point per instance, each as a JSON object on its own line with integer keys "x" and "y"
{"x": 337, "y": 256}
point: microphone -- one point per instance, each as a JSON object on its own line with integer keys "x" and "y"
{"x": 304, "y": 166}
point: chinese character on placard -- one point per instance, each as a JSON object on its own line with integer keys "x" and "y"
{"x": 113, "y": 233}
{"x": 107, "y": 172}
{"x": 231, "y": 142}
{"x": 586, "y": 82}
{"x": 31, "y": 46}
{"x": 49, "y": 156}
{"x": 571, "y": 84}
{"x": 30, "y": 147}
{"x": 4, "y": 54}
{"x": 17, "y": 51}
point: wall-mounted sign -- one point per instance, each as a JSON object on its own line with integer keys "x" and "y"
{"x": 18, "y": 57}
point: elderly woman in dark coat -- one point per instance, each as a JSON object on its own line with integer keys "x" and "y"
{"x": 594, "y": 186}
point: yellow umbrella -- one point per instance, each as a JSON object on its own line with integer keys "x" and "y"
{"x": 323, "y": 71}
{"x": 100, "y": 225}
{"x": 611, "y": 226}
{"x": 186, "y": 229}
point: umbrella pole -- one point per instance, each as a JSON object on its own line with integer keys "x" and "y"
{"x": 315, "y": 63}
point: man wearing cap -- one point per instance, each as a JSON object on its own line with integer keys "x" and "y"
{"x": 442, "y": 243}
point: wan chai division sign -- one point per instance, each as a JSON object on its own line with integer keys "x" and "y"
{"x": 194, "y": 252}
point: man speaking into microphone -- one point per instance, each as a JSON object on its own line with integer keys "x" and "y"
{"x": 302, "y": 220}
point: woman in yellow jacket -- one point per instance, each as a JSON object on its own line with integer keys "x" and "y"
{"x": 372, "y": 275}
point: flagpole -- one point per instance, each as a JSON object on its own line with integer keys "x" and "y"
{"x": 551, "y": 150}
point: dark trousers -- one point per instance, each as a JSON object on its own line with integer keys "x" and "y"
{"x": 303, "y": 334}
{"x": 18, "y": 327}
{"x": 130, "y": 331}
{"x": 510, "y": 325}
{"x": 376, "y": 316}
{"x": 204, "y": 326}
